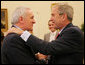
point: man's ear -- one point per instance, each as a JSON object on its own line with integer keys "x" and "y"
{"x": 21, "y": 19}
{"x": 64, "y": 16}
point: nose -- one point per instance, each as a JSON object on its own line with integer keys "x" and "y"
{"x": 34, "y": 21}
{"x": 51, "y": 18}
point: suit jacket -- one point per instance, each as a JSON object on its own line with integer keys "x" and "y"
{"x": 15, "y": 51}
{"x": 47, "y": 36}
{"x": 66, "y": 49}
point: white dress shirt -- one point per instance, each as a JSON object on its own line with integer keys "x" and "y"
{"x": 52, "y": 36}
{"x": 61, "y": 30}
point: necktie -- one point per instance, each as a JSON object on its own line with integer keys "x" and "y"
{"x": 57, "y": 35}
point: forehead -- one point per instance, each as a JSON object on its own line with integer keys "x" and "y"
{"x": 50, "y": 22}
{"x": 55, "y": 9}
{"x": 29, "y": 12}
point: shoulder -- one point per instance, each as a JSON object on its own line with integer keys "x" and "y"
{"x": 74, "y": 29}
{"x": 12, "y": 38}
{"x": 13, "y": 41}
{"x": 47, "y": 34}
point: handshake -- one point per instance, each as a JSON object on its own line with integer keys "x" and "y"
{"x": 42, "y": 59}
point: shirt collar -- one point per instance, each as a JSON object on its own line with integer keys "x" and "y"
{"x": 17, "y": 27}
{"x": 53, "y": 32}
{"x": 61, "y": 30}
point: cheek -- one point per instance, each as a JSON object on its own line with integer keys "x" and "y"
{"x": 28, "y": 23}
{"x": 57, "y": 20}
{"x": 49, "y": 27}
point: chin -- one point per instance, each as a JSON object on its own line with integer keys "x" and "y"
{"x": 31, "y": 30}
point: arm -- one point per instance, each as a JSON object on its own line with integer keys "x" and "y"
{"x": 68, "y": 42}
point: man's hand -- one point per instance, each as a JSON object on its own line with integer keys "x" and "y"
{"x": 40, "y": 56}
{"x": 13, "y": 30}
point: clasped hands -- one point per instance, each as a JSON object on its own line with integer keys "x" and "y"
{"x": 40, "y": 56}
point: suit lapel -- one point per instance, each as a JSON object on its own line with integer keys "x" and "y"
{"x": 69, "y": 25}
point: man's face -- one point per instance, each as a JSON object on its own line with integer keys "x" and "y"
{"x": 29, "y": 20}
{"x": 51, "y": 26}
{"x": 56, "y": 18}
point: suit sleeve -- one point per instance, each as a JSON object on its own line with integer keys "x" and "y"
{"x": 69, "y": 42}
{"x": 16, "y": 50}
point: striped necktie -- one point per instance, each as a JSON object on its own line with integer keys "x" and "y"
{"x": 57, "y": 35}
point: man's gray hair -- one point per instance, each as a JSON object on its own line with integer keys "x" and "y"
{"x": 20, "y": 11}
{"x": 65, "y": 8}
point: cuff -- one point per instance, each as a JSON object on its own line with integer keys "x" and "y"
{"x": 25, "y": 35}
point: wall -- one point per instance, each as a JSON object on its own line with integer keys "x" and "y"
{"x": 42, "y": 11}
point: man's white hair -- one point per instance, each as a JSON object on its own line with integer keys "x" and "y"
{"x": 20, "y": 11}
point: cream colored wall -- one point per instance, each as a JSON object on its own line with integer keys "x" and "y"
{"x": 42, "y": 11}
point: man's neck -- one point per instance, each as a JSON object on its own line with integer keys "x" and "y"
{"x": 64, "y": 25}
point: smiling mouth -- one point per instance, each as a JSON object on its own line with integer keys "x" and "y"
{"x": 51, "y": 28}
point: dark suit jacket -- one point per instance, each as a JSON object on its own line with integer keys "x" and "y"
{"x": 15, "y": 51}
{"x": 66, "y": 49}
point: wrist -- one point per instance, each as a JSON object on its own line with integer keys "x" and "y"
{"x": 21, "y": 32}
{"x": 25, "y": 35}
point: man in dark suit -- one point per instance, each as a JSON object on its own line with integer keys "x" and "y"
{"x": 68, "y": 46}
{"x": 14, "y": 51}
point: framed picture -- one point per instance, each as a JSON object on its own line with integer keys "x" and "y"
{"x": 4, "y": 20}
